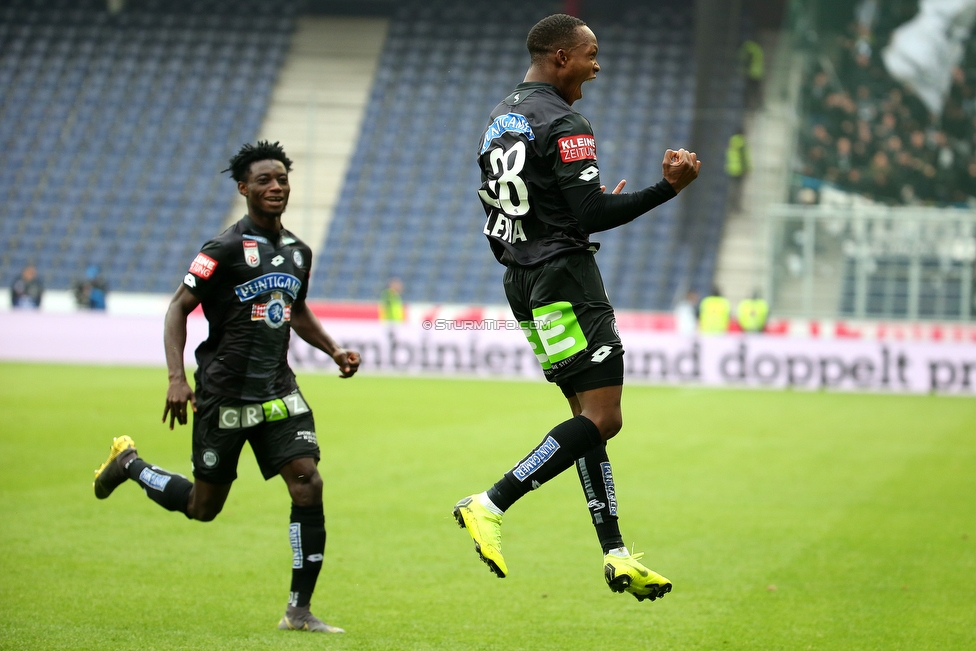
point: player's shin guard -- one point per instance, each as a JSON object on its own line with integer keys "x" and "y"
{"x": 558, "y": 451}
{"x": 170, "y": 490}
{"x": 307, "y": 533}
{"x": 596, "y": 477}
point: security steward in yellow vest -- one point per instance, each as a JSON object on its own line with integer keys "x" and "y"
{"x": 752, "y": 314}
{"x": 714, "y": 315}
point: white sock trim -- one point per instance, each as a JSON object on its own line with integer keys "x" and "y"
{"x": 488, "y": 504}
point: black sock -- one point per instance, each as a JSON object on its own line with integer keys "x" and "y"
{"x": 596, "y": 478}
{"x": 307, "y": 533}
{"x": 557, "y": 452}
{"x": 169, "y": 490}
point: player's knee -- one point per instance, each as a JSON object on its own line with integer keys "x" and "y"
{"x": 204, "y": 512}
{"x": 306, "y": 489}
{"x": 205, "y": 505}
{"x": 208, "y": 515}
{"x": 609, "y": 423}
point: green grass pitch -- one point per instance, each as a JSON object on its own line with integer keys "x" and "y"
{"x": 786, "y": 521}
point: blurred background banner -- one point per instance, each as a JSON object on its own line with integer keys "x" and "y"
{"x": 489, "y": 348}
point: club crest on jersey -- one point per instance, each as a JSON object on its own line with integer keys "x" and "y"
{"x": 268, "y": 283}
{"x": 252, "y": 256}
{"x": 275, "y": 312}
{"x": 574, "y": 148}
{"x": 505, "y": 123}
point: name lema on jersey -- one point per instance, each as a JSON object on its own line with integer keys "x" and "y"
{"x": 505, "y": 228}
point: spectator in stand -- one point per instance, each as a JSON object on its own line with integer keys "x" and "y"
{"x": 867, "y": 109}
{"x": 839, "y": 110}
{"x": 881, "y": 184}
{"x": 686, "y": 314}
{"x": 27, "y": 290}
{"x": 818, "y": 92}
{"x": 841, "y": 162}
{"x": 962, "y": 96}
{"x": 968, "y": 181}
{"x": 92, "y": 290}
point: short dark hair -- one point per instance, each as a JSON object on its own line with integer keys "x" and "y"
{"x": 552, "y": 33}
{"x": 240, "y": 163}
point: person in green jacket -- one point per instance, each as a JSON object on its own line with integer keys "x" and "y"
{"x": 391, "y": 302}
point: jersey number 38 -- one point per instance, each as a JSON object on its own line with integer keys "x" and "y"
{"x": 511, "y": 195}
{"x": 507, "y": 193}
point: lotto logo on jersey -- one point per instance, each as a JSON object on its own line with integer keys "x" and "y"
{"x": 203, "y": 266}
{"x": 574, "y": 148}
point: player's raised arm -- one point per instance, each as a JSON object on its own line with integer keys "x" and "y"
{"x": 174, "y": 340}
{"x": 598, "y": 211}
{"x": 307, "y": 326}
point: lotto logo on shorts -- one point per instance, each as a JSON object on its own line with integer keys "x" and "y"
{"x": 574, "y": 148}
{"x": 203, "y": 266}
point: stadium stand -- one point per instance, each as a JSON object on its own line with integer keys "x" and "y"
{"x": 865, "y": 133}
{"x": 409, "y": 206}
{"x": 114, "y": 129}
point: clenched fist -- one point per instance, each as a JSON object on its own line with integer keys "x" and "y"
{"x": 680, "y": 168}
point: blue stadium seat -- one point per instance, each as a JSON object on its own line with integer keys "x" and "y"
{"x": 128, "y": 84}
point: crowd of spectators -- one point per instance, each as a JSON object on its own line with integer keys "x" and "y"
{"x": 863, "y": 132}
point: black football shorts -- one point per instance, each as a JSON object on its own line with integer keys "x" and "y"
{"x": 279, "y": 431}
{"x": 566, "y": 315}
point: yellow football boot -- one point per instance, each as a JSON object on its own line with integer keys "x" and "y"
{"x": 111, "y": 474}
{"x": 625, "y": 573}
{"x": 485, "y": 528}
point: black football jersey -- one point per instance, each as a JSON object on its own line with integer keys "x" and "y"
{"x": 248, "y": 280}
{"x": 535, "y": 145}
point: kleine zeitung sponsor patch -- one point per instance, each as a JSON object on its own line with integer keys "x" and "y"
{"x": 574, "y": 148}
{"x": 203, "y": 266}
